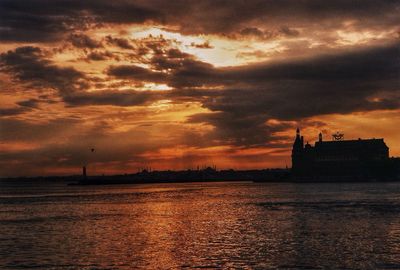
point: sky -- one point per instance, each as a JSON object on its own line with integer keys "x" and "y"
{"x": 186, "y": 83}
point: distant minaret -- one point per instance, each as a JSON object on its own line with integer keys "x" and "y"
{"x": 320, "y": 137}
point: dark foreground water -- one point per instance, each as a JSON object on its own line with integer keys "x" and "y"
{"x": 200, "y": 225}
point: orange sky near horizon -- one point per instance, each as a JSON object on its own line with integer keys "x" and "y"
{"x": 176, "y": 86}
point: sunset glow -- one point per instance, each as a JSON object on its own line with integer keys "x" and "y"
{"x": 176, "y": 86}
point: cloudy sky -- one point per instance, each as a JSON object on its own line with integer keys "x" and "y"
{"x": 177, "y": 84}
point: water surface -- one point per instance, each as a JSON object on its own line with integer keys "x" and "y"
{"x": 200, "y": 225}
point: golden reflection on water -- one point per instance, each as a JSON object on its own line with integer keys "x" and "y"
{"x": 203, "y": 225}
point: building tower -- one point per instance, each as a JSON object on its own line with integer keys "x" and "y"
{"x": 320, "y": 137}
{"x": 297, "y": 151}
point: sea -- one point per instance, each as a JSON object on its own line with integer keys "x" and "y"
{"x": 218, "y": 225}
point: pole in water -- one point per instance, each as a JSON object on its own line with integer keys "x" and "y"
{"x": 84, "y": 172}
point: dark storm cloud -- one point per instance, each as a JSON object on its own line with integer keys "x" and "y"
{"x": 252, "y": 31}
{"x": 362, "y": 70}
{"x": 230, "y": 16}
{"x": 13, "y": 111}
{"x": 191, "y": 73}
{"x": 23, "y": 107}
{"x": 174, "y": 67}
{"x": 182, "y": 72}
{"x": 288, "y": 31}
{"x": 41, "y": 20}
{"x": 29, "y": 65}
{"x": 136, "y": 73}
{"x": 256, "y": 33}
{"x": 168, "y": 65}
{"x": 30, "y": 103}
{"x": 369, "y": 64}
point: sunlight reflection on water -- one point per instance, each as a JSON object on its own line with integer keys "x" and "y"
{"x": 200, "y": 225}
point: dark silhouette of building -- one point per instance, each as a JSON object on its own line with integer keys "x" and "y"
{"x": 341, "y": 159}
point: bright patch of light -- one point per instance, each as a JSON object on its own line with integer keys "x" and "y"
{"x": 222, "y": 51}
{"x": 155, "y": 87}
{"x": 161, "y": 104}
{"x": 352, "y": 38}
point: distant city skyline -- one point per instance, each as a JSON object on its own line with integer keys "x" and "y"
{"x": 121, "y": 85}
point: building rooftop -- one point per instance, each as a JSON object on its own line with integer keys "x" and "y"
{"x": 351, "y": 143}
